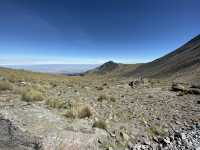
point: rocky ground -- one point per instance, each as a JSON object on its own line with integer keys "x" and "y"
{"x": 146, "y": 114}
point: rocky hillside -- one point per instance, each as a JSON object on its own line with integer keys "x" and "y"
{"x": 105, "y": 68}
{"x": 112, "y": 68}
{"x": 183, "y": 63}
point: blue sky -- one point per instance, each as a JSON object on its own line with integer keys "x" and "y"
{"x": 94, "y": 31}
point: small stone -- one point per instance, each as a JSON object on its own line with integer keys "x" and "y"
{"x": 177, "y": 87}
{"x": 183, "y": 136}
{"x": 167, "y": 140}
{"x": 130, "y": 145}
{"x": 146, "y": 141}
{"x": 109, "y": 148}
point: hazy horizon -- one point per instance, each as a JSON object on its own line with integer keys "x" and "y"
{"x": 54, "y": 68}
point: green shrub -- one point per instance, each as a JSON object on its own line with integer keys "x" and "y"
{"x": 100, "y": 124}
{"x": 32, "y": 95}
{"x": 5, "y": 85}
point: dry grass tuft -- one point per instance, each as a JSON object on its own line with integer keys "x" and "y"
{"x": 99, "y": 88}
{"x": 102, "y": 97}
{"x": 56, "y": 103}
{"x": 156, "y": 131}
{"x": 79, "y": 111}
{"x": 31, "y": 95}
{"x": 5, "y": 85}
{"x": 100, "y": 124}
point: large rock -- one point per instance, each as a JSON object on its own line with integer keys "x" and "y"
{"x": 195, "y": 85}
{"x": 12, "y": 138}
{"x": 55, "y": 131}
{"x": 194, "y": 91}
{"x": 178, "y": 87}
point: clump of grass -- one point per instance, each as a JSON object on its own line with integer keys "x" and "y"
{"x": 156, "y": 131}
{"x": 40, "y": 87}
{"x": 84, "y": 112}
{"x": 102, "y": 97}
{"x": 30, "y": 95}
{"x": 99, "y": 88}
{"x": 5, "y": 85}
{"x": 70, "y": 114}
{"x": 100, "y": 124}
{"x": 79, "y": 111}
{"x": 56, "y": 103}
{"x": 112, "y": 99}
{"x": 53, "y": 84}
{"x": 105, "y": 84}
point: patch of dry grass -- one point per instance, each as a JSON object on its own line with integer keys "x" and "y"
{"x": 31, "y": 95}
{"x": 5, "y": 85}
{"x": 102, "y": 97}
{"x": 56, "y": 103}
{"x": 156, "y": 131}
{"x": 100, "y": 124}
{"x": 79, "y": 111}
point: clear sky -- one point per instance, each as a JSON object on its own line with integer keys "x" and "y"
{"x": 94, "y": 31}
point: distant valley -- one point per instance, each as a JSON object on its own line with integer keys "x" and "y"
{"x": 55, "y": 68}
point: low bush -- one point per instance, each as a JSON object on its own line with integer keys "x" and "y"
{"x": 112, "y": 99}
{"x": 100, "y": 124}
{"x": 5, "y": 85}
{"x": 156, "y": 131}
{"x": 30, "y": 95}
{"x": 79, "y": 111}
{"x": 101, "y": 98}
{"x": 84, "y": 111}
{"x": 56, "y": 103}
{"x": 99, "y": 88}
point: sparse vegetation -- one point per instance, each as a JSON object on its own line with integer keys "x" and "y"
{"x": 79, "y": 111}
{"x": 102, "y": 97}
{"x": 84, "y": 111}
{"x": 112, "y": 99}
{"x": 99, "y": 88}
{"x": 31, "y": 95}
{"x": 5, "y": 85}
{"x": 156, "y": 131}
{"x": 100, "y": 124}
{"x": 56, "y": 103}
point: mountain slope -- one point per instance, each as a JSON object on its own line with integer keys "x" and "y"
{"x": 112, "y": 68}
{"x": 105, "y": 68}
{"x": 183, "y": 61}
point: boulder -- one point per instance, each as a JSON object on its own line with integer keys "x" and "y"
{"x": 11, "y": 137}
{"x": 178, "y": 87}
{"x": 194, "y": 91}
{"x": 197, "y": 86}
